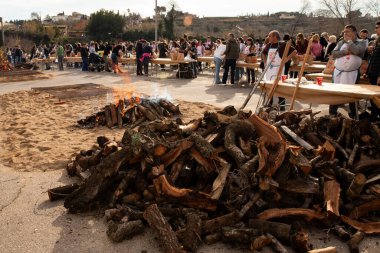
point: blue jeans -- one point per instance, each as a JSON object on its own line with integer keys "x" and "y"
{"x": 238, "y": 73}
{"x": 218, "y": 64}
{"x": 84, "y": 63}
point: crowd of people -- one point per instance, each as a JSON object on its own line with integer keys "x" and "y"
{"x": 347, "y": 49}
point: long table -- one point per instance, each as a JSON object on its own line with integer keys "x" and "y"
{"x": 328, "y": 77}
{"x": 313, "y": 68}
{"x": 327, "y": 93}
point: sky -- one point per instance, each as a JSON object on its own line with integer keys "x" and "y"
{"x": 21, "y": 9}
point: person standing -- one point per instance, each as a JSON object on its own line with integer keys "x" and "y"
{"x": 60, "y": 55}
{"x": 231, "y": 55}
{"x": 273, "y": 54}
{"x": 47, "y": 56}
{"x": 373, "y": 71}
{"x": 348, "y": 55}
{"x": 250, "y": 51}
{"x": 84, "y": 55}
{"x": 145, "y": 58}
{"x": 218, "y": 59}
{"x": 139, "y": 53}
{"x": 106, "y": 53}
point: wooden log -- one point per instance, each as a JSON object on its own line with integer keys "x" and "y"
{"x": 213, "y": 238}
{"x": 332, "y": 193}
{"x": 125, "y": 230}
{"x": 296, "y": 138}
{"x": 171, "y": 156}
{"x": 203, "y": 146}
{"x": 299, "y": 160}
{"x": 239, "y": 235}
{"x": 220, "y": 180}
{"x": 204, "y": 162}
{"x": 176, "y": 168}
{"x": 278, "y": 213}
{"x": 190, "y": 127}
{"x": 343, "y": 174}
{"x": 80, "y": 199}
{"x": 113, "y": 114}
{"x": 149, "y": 115}
{"x": 367, "y": 166}
{"x": 336, "y": 145}
{"x": 120, "y": 108}
{"x": 276, "y": 244}
{"x": 313, "y": 139}
{"x": 166, "y": 237}
{"x": 375, "y": 189}
{"x": 232, "y": 133}
{"x": 170, "y": 107}
{"x": 367, "y": 227}
{"x": 186, "y": 197}
{"x": 277, "y": 229}
{"x": 351, "y": 158}
{"x": 107, "y": 112}
{"x": 61, "y": 191}
{"x": 214, "y": 225}
{"x": 341, "y": 232}
{"x": 324, "y": 250}
{"x": 356, "y": 186}
{"x": 274, "y": 142}
{"x": 355, "y": 240}
{"x": 192, "y": 234}
{"x": 300, "y": 185}
{"x": 300, "y": 241}
{"x": 250, "y": 203}
{"x": 364, "y": 209}
{"x": 260, "y": 242}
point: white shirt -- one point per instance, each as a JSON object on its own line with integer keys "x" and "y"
{"x": 219, "y": 51}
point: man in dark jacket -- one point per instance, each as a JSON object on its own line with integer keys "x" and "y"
{"x": 231, "y": 55}
{"x": 373, "y": 71}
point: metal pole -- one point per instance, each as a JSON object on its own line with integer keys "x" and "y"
{"x": 2, "y": 32}
{"x": 155, "y": 23}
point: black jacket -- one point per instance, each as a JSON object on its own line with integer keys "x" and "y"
{"x": 374, "y": 63}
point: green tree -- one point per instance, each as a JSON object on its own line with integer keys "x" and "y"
{"x": 105, "y": 25}
{"x": 169, "y": 19}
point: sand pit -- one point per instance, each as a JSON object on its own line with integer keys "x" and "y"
{"x": 38, "y": 131}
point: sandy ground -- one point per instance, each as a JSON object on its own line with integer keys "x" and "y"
{"x": 38, "y": 137}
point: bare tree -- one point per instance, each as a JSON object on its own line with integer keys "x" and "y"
{"x": 373, "y": 7}
{"x": 341, "y": 9}
{"x": 35, "y": 16}
{"x": 305, "y": 7}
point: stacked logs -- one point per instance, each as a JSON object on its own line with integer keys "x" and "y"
{"x": 131, "y": 112}
{"x": 234, "y": 177}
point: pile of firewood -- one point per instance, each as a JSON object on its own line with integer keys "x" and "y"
{"x": 248, "y": 180}
{"x": 131, "y": 112}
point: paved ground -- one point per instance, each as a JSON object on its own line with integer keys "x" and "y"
{"x": 30, "y": 223}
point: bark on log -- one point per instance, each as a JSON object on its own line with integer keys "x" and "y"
{"x": 233, "y": 131}
{"x": 367, "y": 166}
{"x": 250, "y": 203}
{"x": 192, "y": 234}
{"x": 186, "y": 197}
{"x": 278, "y": 213}
{"x": 205, "y": 163}
{"x": 300, "y": 185}
{"x": 220, "y": 180}
{"x": 260, "y": 242}
{"x": 341, "y": 232}
{"x": 299, "y": 160}
{"x": 191, "y": 127}
{"x": 332, "y": 193}
{"x": 203, "y": 146}
{"x": 273, "y": 142}
{"x": 276, "y": 244}
{"x": 239, "y": 235}
{"x": 147, "y": 113}
{"x": 213, "y": 238}
{"x": 120, "y": 108}
{"x": 214, "y": 225}
{"x": 107, "y": 112}
{"x": 174, "y": 153}
{"x": 80, "y": 199}
{"x": 364, "y": 209}
{"x": 356, "y": 186}
{"x": 170, "y": 107}
{"x": 324, "y": 250}
{"x": 125, "y": 230}
{"x": 368, "y": 227}
{"x": 61, "y": 191}
{"x": 277, "y": 229}
{"x": 300, "y": 241}
{"x": 166, "y": 237}
{"x": 113, "y": 114}
{"x": 355, "y": 240}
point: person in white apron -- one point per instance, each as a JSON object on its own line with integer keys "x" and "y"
{"x": 348, "y": 56}
{"x": 272, "y": 54}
